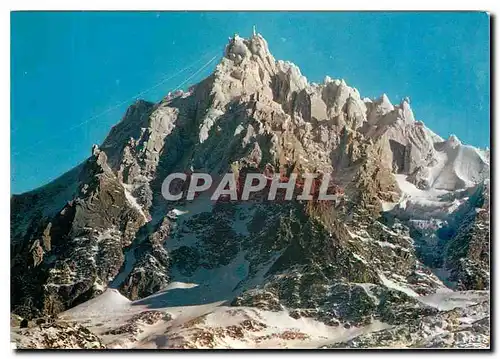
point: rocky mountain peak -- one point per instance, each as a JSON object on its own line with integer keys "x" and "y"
{"x": 408, "y": 237}
{"x": 240, "y": 48}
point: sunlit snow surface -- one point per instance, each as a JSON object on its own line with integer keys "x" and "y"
{"x": 111, "y": 310}
{"x": 188, "y": 325}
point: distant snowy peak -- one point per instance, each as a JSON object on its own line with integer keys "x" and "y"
{"x": 461, "y": 166}
{"x": 453, "y": 141}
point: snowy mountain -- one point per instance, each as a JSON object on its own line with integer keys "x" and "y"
{"x": 401, "y": 261}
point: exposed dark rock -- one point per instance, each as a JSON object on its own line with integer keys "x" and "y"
{"x": 57, "y": 335}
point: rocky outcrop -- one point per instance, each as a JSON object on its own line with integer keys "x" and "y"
{"x": 441, "y": 330}
{"x": 467, "y": 253}
{"x": 341, "y": 275}
{"x": 57, "y": 335}
{"x": 71, "y": 258}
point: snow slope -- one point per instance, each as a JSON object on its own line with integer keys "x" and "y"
{"x": 215, "y": 325}
{"x": 424, "y": 204}
{"x": 203, "y": 326}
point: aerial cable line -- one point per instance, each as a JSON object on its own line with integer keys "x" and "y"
{"x": 196, "y": 73}
{"x": 161, "y": 82}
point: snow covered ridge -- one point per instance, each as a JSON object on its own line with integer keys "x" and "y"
{"x": 309, "y": 187}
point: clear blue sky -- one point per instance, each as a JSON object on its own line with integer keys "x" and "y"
{"x": 69, "y": 66}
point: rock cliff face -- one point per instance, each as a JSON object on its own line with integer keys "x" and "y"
{"x": 413, "y": 223}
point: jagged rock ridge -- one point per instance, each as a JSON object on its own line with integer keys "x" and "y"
{"x": 397, "y": 237}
